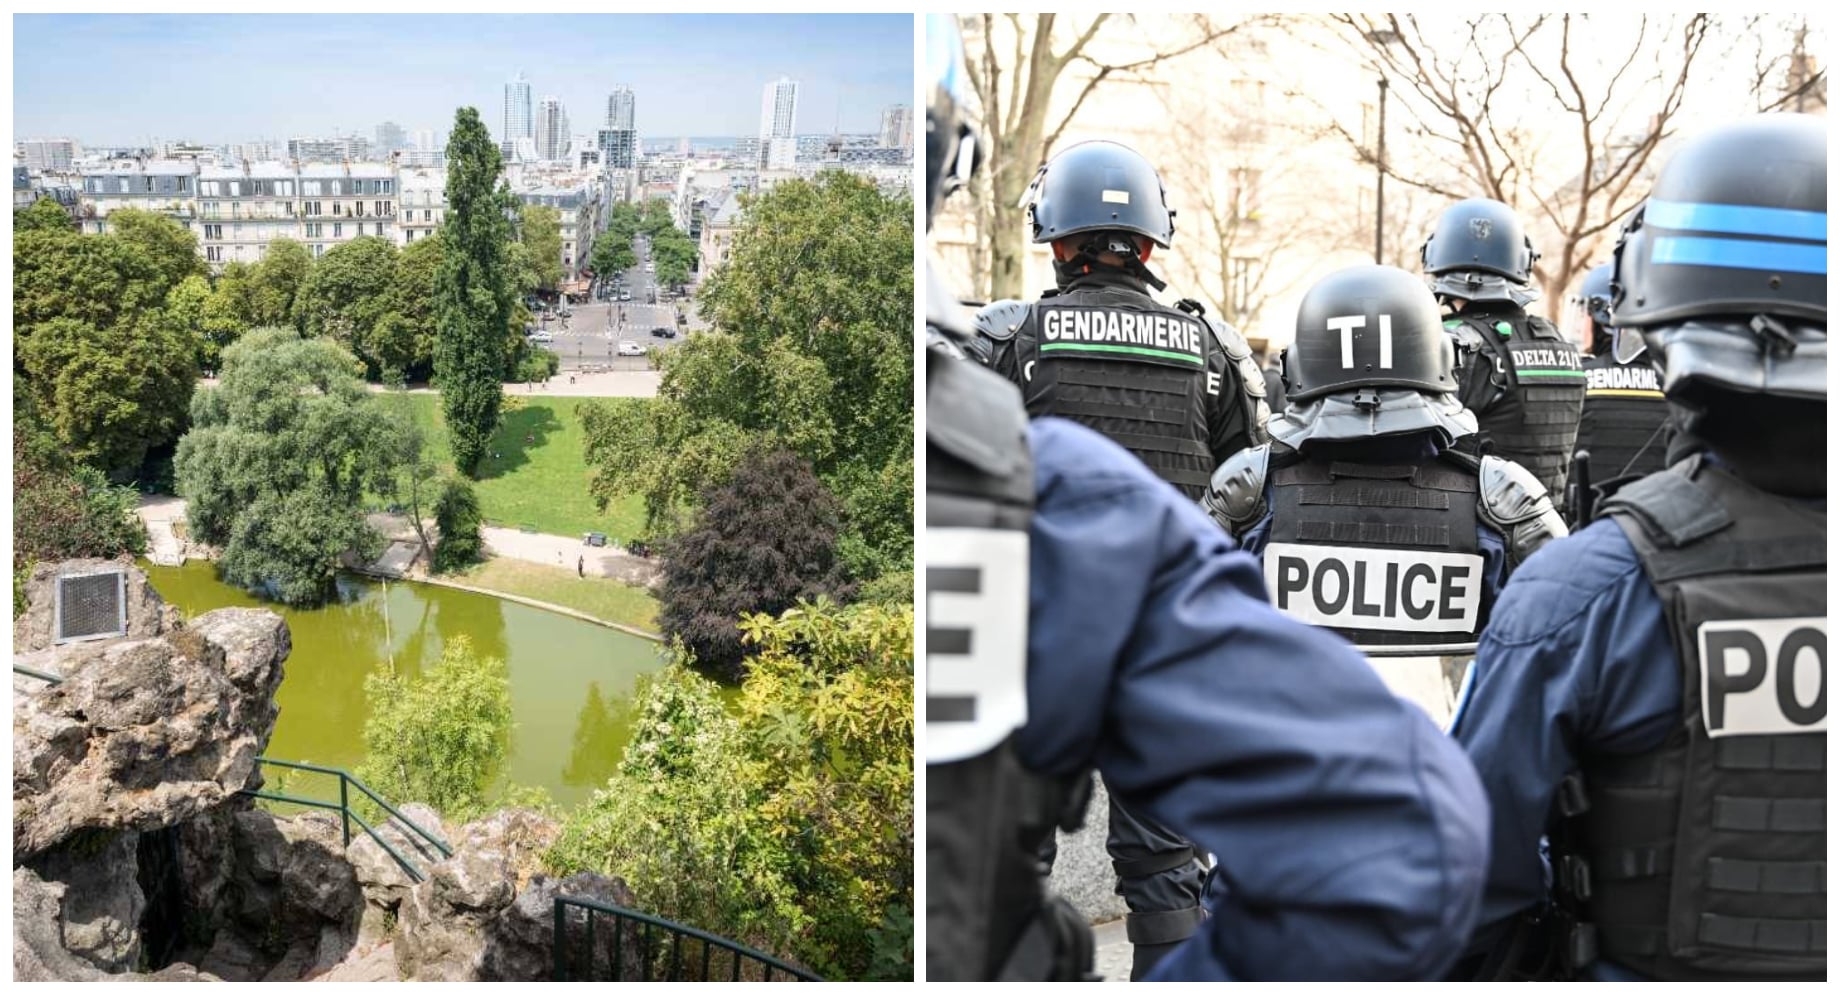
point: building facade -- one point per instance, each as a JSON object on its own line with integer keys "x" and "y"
{"x": 45, "y": 154}
{"x": 552, "y": 130}
{"x": 618, "y": 140}
{"x": 517, "y": 121}
{"x": 779, "y": 110}
{"x": 421, "y": 202}
{"x": 898, "y": 127}
{"x": 159, "y": 185}
{"x": 390, "y": 138}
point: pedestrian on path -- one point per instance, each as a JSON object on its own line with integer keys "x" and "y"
{"x": 581, "y": 566}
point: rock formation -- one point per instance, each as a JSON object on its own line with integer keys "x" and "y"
{"x": 136, "y": 857}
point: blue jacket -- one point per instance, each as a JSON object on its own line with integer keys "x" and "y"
{"x": 1350, "y": 831}
{"x": 1576, "y": 659}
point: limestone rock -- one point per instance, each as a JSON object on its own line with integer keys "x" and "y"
{"x": 384, "y": 881}
{"x": 519, "y": 940}
{"x": 146, "y": 733}
{"x": 445, "y": 920}
{"x": 38, "y": 947}
{"x": 101, "y": 914}
{"x": 292, "y": 881}
{"x": 35, "y": 628}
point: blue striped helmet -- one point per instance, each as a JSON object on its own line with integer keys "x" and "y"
{"x": 1723, "y": 270}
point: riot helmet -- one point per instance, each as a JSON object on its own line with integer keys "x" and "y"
{"x": 1099, "y": 187}
{"x": 1722, "y": 273}
{"x": 951, "y": 142}
{"x": 1592, "y": 301}
{"x": 1368, "y": 326}
{"x": 1479, "y": 251}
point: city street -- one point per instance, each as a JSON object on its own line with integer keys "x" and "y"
{"x": 594, "y": 332}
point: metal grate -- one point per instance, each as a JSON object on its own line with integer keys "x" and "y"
{"x": 91, "y": 606}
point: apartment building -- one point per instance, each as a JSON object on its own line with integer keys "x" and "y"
{"x": 421, "y": 202}
{"x": 164, "y": 186}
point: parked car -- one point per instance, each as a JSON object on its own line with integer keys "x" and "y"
{"x": 632, "y": 349}
{"x": 662, "y": 332}
{"x": 625, "y": 295}
{"x": 594, "y": 538}
{"x": 542, "y": 336}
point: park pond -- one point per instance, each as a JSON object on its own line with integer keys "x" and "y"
{"x": 571, "y": 681}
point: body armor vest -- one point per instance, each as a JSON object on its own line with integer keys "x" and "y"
{"x": 1118, "y": 362}
{"x": 1706, "y": 858}
{"x": 1385, "y": 555}
{"x": 1624, "y": 420}
{"x": 1534, "y": 420}
{"x": 987, "y": 913}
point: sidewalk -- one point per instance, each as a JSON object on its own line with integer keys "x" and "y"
{"x": 158, "y": 512}
{"x": 615, "y": 383}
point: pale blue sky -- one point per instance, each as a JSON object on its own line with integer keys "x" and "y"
{"x": 110, "y": 79}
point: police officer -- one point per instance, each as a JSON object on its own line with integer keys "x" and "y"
{"x": 1652, "y": 691}
{"x": 1522, "y": 379}
{"x": 1179, "y": 389}
{"x": 1368, "y": 521}
{"x": 1082, "y": 614}
{"x": 1170, "y": 384}
{"x": 1623, "y": 429}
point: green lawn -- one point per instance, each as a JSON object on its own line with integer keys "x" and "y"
{"x": 534, "y": 473}
{"x": 604, "y": 599}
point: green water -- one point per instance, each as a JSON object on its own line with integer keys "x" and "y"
{"x": 571, "y": 681}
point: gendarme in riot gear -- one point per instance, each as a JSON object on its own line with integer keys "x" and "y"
{"x": 1177, "y": 388}
{"x": 1623, "y": 427}
{"x": 1679, "y": 650}
{"x": 1367, "y": 520}
{"x": 1516, "y": 371}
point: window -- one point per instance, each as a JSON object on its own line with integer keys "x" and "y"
{"x": 121, "y": 185}
{"x": 185, "y": 184}
{"x": 336, "y": 187}
{"x": 318, "y": 251}
{"x": 387, "y": 184}
{"x": 236, "y": 188}
{"x": 358, "y": 209}
{"x": 213, "y": 231}
{"x": 236, "y": 208}
{"x": 383, "y": 209}
{"x": 310, "y": 188}
{"x": 286, "y": 188}
{"x": 379, "y": 228}
{"x": 427, "y": 215}
{"x": 213, "y": 254}
{"x": 338, "y": 230}
{"x": 312, "y": 208}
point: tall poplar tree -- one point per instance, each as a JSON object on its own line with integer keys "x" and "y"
{"x": 473, "y": 291}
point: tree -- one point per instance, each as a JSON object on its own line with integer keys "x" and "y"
{"x": 456, "y": 516}
{"x": 440, "y": 738}
{"x": 763, "y": 541}
{"x": 64, "y": 510}
{"x": 276, "y": 282}
{"x": 349, "y": 295}
{"x": 540, "y": 231}
{"x": 810, "y": 350}
{"x": 675, "y": 255}
{"x": 1471, "y": 87}
{"x": 170, "y": 247}
{"x": 279, "y": 459}
{"x": 473, "y": 292}
{"x": 611, "y": 255}
{"x": 404, "y": 339}
{"x": 1024, "y": 120}
{"x": 43, "y": 214}
{"x": 112, "y": 393}
{"x": 785, "y": 822}
{"x": 211, "y": 317}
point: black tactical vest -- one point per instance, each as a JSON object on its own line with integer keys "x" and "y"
{"x": 987, "y": 913}
{"x": 1385, "y": 555}
{"x": 1707, "y": 858}
{"x": 1118, "y": 362}
{"x": 1624, "y": 422}
{"x": 1534, "y": 422}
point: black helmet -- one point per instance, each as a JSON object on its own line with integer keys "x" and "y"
{"x": 951, "y": 142}
{"x": 1476, "y": 240}
{"x": 1099, "y": 186}
{"x": 1594, "y": 295}
{"x": 1368, "y": 326}
{"x": 1723, "y": 270}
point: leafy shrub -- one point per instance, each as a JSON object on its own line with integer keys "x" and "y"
{"x": 440, "y": 738}
{"x": 787, "y": 824}
{"x": 456, "y": 515}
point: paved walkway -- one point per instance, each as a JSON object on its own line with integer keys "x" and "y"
{"x": 1112, "y": 952}
{"x": 158, "y": 512}
{"x": 614, "y": 383}
{"x": 561, "y": 552}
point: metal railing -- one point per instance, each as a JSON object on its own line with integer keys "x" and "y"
{"x": 347, "y": 814}
{"x": 39, "y": 674}
{"x": 743, "y": 963}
